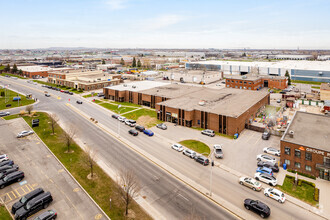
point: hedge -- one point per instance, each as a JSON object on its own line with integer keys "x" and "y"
{"x": 302, "y": 174}
{"x": 316, "y": 194}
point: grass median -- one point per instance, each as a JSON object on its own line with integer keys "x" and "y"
{"x": 102, "y": 188}
{"x": 115, "y": 108}
{"x": 196, "y": 146}
{"x": 6, "y": 98}
{"x": 306, "y": 82}
{"x": 4, "y": 214}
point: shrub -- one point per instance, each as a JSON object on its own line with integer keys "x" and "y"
{"x": 316, "y": 194}
{"x": 302, "y": 174}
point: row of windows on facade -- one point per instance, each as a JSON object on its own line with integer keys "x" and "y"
{"x": 239, "y": 82}
{"x": 297, "y": 153}
{"x": 298, "y": 165}
{"x": 55, "y": 76}
{"x": 243, "y": 87}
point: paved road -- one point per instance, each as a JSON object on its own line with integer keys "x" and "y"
{"x": 170, "y": 197}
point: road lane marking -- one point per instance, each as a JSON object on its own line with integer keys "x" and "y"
{"x": 9, "y": 196}
{"x": 98, "y": 216}
{"x": 76, "y": 190}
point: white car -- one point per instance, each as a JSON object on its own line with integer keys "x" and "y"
{"x": 266, "y": 178}
{"x": 271, "y": 150}
{"x": 218, "y": 153}
{"x": 121, "y": 118}
{"x": 266, "y": 158}
{"x": 177, "y": 147}
{"x": 24, "y": 133}
{"x": 189, "y": 153}
{"x": 274, "y": 194}
{"x": 3, "y": 157}
{"x": 130, "y": 122}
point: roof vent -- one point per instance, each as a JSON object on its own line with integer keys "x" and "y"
{"x": 244, "y": 77}
{"x": 201, "y": 102}
{"x": 291, "y": 133}
{"x": 133, "y": 87}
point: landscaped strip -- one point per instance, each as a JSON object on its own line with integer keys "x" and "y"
{"x": 62, "y": 87}
{"x": 4, "y": 214}
{"x": 306, "y": 82}
{"x": 196, "y": 146}
{"x": 216, "y": 133}
{"x": 6, "y": 98}
{"x": 115, "y": 108}
{"x": 13, "y": 75}
{"x": 102, "y": 188}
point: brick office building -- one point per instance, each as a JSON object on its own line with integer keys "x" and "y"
{"x": 34, "y": 71}
{"x": 256, "y": 82}
{"x": 226, "y": 110}
{"x": 305, "y": 145}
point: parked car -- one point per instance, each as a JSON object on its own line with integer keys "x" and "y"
{"x": 266, "y": 158}
{"x": 189, "y": 153}
{"x": 115, "y": 116}
{"x": 162, "y": 126}
{"x": 266, "y": 178}
{"x": 258, "y": 207}
{"x": 79, "y": 102}
{"x": 249, "y": 182}
{"x": 278, "y": 100}
{"x": 274, "y": 167}
{"x": 25, "y": 199}
{"x": 24, "y": 133}
{"x": 148, "y": 132}
{"x": 50, "y": 214}
{"x": 47, "y": 95}
{"x": 8, "y": 171}
{"x": 11, "y": 178}
{"x": 275, "y": 194}
{"x": 265, "y": 135}
{"x": 70, "y": 93}
{"x": 177, "y": 147}
{"x": 133, "y": 132}
{"x": 3, "y": 157}
{"x": 39, "y": 202}
{"x": 130, "y": 122}
{"x": 2, "y": 114}
{"x": 218, "y": 153}
{"x": 203, "y": 160}
{"x": 6, "y": 163}
{"x": 121, "y": 118}
{"x": 4, "y": 168}
{"x": 139, "y": 128}
{"x": 208, "y": 132}
{"x": 100, "y": 94}
{"x": 271, "y": 150}
{"x": 265, "y": 170}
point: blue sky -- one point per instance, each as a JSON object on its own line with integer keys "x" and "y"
{"x": 165, "y": 24}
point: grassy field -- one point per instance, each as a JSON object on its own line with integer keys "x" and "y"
{"x": 126, "y": 104}
{"x": 136, "y": 114}
{"x": 306, "y": 82}
{"x": 13, "y": 75}
{"x": 305, "y": 192}
{"x": 101, "y": 188}
{"x": 10, "y": 95}
{"x": 4, "y": 214}
{"x": 89, "y": 95}
{"x": 115, "y": 108}
{"x": 197, "y": 146}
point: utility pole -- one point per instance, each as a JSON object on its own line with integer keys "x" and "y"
{"x": 212, "y": 164}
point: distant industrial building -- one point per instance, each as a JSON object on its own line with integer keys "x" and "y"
{"x": 251, "y": 82}
{"x": 226, "y": 111}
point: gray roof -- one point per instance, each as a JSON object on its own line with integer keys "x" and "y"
{"x": 310, "y": 130}
{"x": 137, "y": 86}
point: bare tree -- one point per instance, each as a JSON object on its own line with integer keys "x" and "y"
{"x": 29, "y": 109}
{"x": 53, "y": 121}
{"x": 129, "y": 187}
{"x": 91, "y": 159}
{"x": 68, "y": 136}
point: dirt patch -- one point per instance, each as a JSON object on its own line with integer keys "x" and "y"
{"x": 130, "y": 214}
{"x": 147, "y": 121}
{"x": 89, "y": 176}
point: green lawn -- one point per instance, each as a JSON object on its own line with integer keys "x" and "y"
{"x": 315, "y": 87}
{"x": 4, "y": 214}
{"x": 216, "y": 133}
{"x": 89, "y": 95}
{"x": 136, "y": 114}
{"x": 305, "y": 192}
{"x": 9, "y": 100}
{"x": 62, "y": 87}
{"x": 13, "y": 75}
{"x": 10, "y": 117}
{"x": 115, "y": 108}
{"x": 97, "y": 101}
{"x": 126, "y": 104}
{"x": 100, "y": 189}
{"x": 306, "y": 82}
{"x": 197, "y": 146}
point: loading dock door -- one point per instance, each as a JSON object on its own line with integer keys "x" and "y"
{"x": 266, "y": 83}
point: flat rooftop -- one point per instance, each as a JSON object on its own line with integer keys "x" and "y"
{"x": 137, "y": 86}
{"x": 229, "y": 102}
{"x": 310, "y": 130}
{"x": 193, "y": 72}
{"x": 253, "y": 77}
{"x": 325, "y": 86}
{"x": 34, "y": 68}
{"x": 171, "y": 90}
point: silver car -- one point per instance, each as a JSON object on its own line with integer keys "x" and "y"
{"x": 273, "y": 151}
{"x": 189, "y": 153}
{"x": 24, "y": 133}
{"x": 218, "y": 153}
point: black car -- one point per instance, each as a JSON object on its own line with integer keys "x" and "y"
{"x": 58, "y": 89}
{"x": 115, "y": 116}
{"x": 258, "y": 207}
{"x": 66, "y": 91}
{"x": 139, "y": 128}
{"x": 5, "y": 173}
{"x": 7, "y": 162}
{"x": 79, "y": 102}
{"x": 25, "y": 199}
{"x": 48, "y": 215}
{"x": 6, "y": 167}
{"x": 11, "y": 178}
{"x": 203, "y": 160}
{"x": 47, "y": 95}
{"x": 274, "y": 167}
{"x": 70, "y": 93}
{"x": 265, "y": 135}
{"x": 133, "y": 132}
{"x": 34, "y": 205}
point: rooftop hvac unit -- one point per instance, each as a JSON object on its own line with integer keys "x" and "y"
{"x": 291, "y": 133}
{"x": 133, "y": 87}
{"x": 244, "y": 77}
{"x": 125, "y": 85}
{"x": 201, "y": 102}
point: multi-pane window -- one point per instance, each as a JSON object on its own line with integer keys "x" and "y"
{"x": 297, "y": 153}
{"x": 287, "y": 162}
{"x": 308, "y": 156}
{"x": 308, "y": 168}
{"x": 287, "y": 150}
{"x": 297, "y": 165}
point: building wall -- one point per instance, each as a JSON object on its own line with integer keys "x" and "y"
{"x": 276, "y": 83}
{"x": 310, "y": 75}
{"x": 256, "y": 84}
{"x": 35, "y": 74}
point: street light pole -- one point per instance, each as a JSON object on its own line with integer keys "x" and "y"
{"x": 212, "y": 163}
{"x": 119, "y": 106}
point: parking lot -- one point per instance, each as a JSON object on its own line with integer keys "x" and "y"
{"x": 41, "y": 169}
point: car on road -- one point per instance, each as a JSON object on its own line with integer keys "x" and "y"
{"x": 258, "y": 207}
{"x": 115, "y": 116}
{"x": 202, "y": 159}
{"x": 266, "y": 158}
{"x": 161, "y": 126}
{"x": 25, "y": 199}
{"x": 70, "y": 93}
{"x": 208, "y": 132}
{"x": 148, "y": 132}
{"x": 139, "y": 128}
{"x": 275, "y": 194}
{"x": 218, "y": 153}
{"x": 189, "y": 153}
{"x": 48, "y": 215}
{"x": 133, "y": 132}
{"x": 265, "y": 135}
{"x": 36, "y": 204}
{"x": 6, "y": 163}
{"x": 272, "y": 166}
{"x": 79, "y": 102}
{"x": 177, "y": 147}
{"x": 265, "y": 170}
{"x": 47, "y": 95}
{"x": 249, "y": 182}
{"x": 2, "y": 114}
{"x": 5, "y": 173}
{"x": 3, "y": 157}
{"x": 271, "y": 150}
{"x": 121, "y": 119}
{"x": 11, "y": 178}
{"x": 24, "y": 133}
{"x": 130, "y": 122}
{"x": 266, "y": 178}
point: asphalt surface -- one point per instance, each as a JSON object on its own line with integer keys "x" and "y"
{"x": 167, "y": 194}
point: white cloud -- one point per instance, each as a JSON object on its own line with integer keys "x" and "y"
{"x": 117, "y": 4}
{"x": 162, "y": 21}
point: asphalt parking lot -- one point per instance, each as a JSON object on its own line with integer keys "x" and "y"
{"x": 42, "y": 170}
